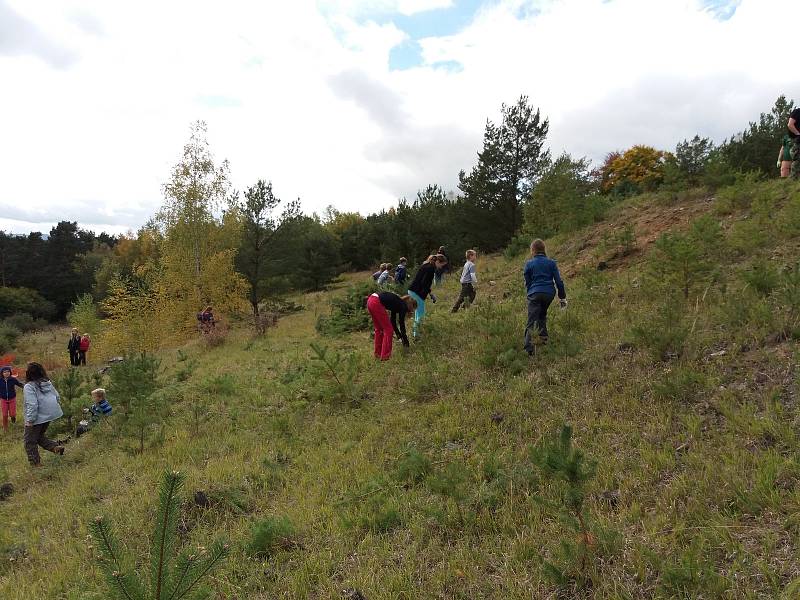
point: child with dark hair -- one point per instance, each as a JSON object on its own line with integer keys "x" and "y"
{"x": 8, "y": 395}
{"x": 444, "y": 268}
{"x": 41, "y": 408}
{"x": 377, "y": 305}
{"x": 420, "y": 288}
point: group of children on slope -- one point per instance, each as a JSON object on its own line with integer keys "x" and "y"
{"x": 42, "y": 406}
{"x": 542, "y": 283}
{"x": 386, "y": 326}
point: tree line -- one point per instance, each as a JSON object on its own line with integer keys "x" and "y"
{"x": 211, "y": 244}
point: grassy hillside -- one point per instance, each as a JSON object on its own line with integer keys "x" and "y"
{"x": 417, "y": 478}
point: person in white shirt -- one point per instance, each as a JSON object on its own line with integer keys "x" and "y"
{"x": 468, "y": 280}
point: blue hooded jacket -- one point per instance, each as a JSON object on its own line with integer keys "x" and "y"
{"x": 8, "y": 387}
{"x": 542, "y": 277}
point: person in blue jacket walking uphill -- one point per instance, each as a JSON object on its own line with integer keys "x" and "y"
{"x": 41, "y": 409}
{"x": 542, "y": 279}
{"x": 8, "y": 395}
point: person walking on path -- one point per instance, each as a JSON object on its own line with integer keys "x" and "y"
{"x": 74, "y": 346}
{"x": 794, "y": 132}
{"x": 468, "y": 280}
{"x": 385, "y": 326}
{"x": 8, "y": 395}
{"x": 420, "y": 287}
{"x": 41, "y": 408}
{"x": 785, "y": 156}
{"x": 542, "y": 279}
{"x": 83, "y": 348}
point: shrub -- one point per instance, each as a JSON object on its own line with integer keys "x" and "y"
{"x": 348, "y": 312}
{"x": 16, "y": 300}
{"x": 762, "y": 276}
{"x": 679, "y": 385}
{"x": 518, "y": 245}
{"x": 71, "y": 387}
{"x": 22, "y": 321}
{"x": 8, "y": 337}
{"x": 665, "y": 332}
{"x": 85, "y": 316}
{"x": 270, "y": 534}
{"x": 737, "y": 196}
{"x": 638, "y": 169}
{"x": 412, "y": 467}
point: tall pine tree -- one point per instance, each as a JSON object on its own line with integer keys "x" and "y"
{"x": 511, "y": 161}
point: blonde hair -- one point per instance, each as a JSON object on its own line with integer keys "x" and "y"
{"x": 100, "y": 393}
{"x": 469, "y": 253}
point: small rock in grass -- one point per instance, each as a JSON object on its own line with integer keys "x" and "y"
{"x": 353, "y": 594}
{"x": 625, "y": 347}
{"x": 201, "y": 499}
{"x": 6, "y": 490}
{"x": 497, "y": 418}
{"x": 611, "y": 496}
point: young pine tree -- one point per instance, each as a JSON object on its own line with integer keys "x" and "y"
{"x": 178, "y": 580}
{"x": 134, "y": 386}
{"x": 71, "y": 386}
{"x": 560, "y": 460}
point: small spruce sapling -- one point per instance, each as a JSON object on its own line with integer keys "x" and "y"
{"x": 178, "y": 580}
{"x": 134, "y": 385}
{"x": 70, "y": 385}
{"x": 560, "y": 460}
{"x": 342, "y": 371}
{"x": 451, "y": 483}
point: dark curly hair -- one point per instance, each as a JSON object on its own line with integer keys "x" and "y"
{"x": 35, "y": 373}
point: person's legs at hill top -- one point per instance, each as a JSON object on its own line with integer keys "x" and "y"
{"x": 537, "y": 319}
{"x": 419, "y": 314}
{"x": 383, "y": 328}
{"x": 9, "y": 409}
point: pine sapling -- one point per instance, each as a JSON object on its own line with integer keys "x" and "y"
{"x": 178, "y": 580}
{"x": 342, "y": 371}
{"x": 560, "y": 460}
{"x": 70, "y": 385}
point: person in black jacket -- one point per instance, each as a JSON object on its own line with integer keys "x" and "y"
{"x": 73, "y": 347}
{"x": 420, "y": 288}
{"x": 386, "y": 327}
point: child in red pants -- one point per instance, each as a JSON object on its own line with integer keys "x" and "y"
{"x": 8, "y": 396}
{"x": 386, "y": 326}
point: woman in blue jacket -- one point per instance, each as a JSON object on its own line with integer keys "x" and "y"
{"x": 542, "y": 279}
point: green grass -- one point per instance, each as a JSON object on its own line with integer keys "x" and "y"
{"x": 425, "y": 487}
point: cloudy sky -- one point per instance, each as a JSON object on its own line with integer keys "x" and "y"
{"x": 354, "y": 103}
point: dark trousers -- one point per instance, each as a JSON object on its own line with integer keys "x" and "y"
{"x": 467, "y": 292}
{"x": 73, "y": 358}
{"x": 81, "y": 358}
{"x": 537, "y": 319}
{"x": 35, "y": 437}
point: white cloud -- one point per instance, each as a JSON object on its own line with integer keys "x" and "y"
{"x": 97, "y": 103}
